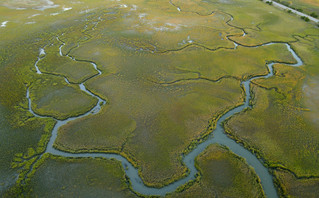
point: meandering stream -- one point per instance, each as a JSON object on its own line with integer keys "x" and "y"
{"x": 217, "y": 136}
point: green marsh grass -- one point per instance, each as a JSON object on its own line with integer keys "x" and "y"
{"x": 163, "y": 94}
{"x": 58, "y": 176}
{"x": 222, "y": 174}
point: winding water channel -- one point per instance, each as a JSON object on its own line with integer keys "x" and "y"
{"x": 217, "y": 136}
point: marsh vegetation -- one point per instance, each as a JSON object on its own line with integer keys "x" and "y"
{"x": 148, "y": 81}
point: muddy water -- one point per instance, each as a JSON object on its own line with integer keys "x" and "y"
{"x": 217, "y": 136}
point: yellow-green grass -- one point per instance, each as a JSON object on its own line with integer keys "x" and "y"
{"x": 194, "y": 6}
{"x": 262, "y": 22}
{"x": 308, "y": 50}
{"x": 76, "y": 34}
{"x": 192, "y": 61}
{"x": 22, "y": 135}
{"x": 286, "y": 80}
{"x": 282, "y": 127}
{"x": 222, "y": 174}
{"x": 241, "y": 63}
{"x": 290, "y": 186}
{"x": 132, "y": 83}
{"x": 74, "y": 71}
{"x": 18, "y": 140}
{"x": 153, "y": 116}
{"x": 86, "y": 177}
{"x": 131, "y": 78}
{"x": 52, "y": 96}
{"x": 106, "y": 131}
{"x": 45, "y": 22}
{"x": 311, "y": 99}
{"x": 162, "y": 135}
{"x": 150, "y": 25}
{"x": 276, "y": 128}
{"x": 307, "y": 6}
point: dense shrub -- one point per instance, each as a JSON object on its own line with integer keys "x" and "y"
{"x": 314, "y": 15}
{"x": 305, "y": 18}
